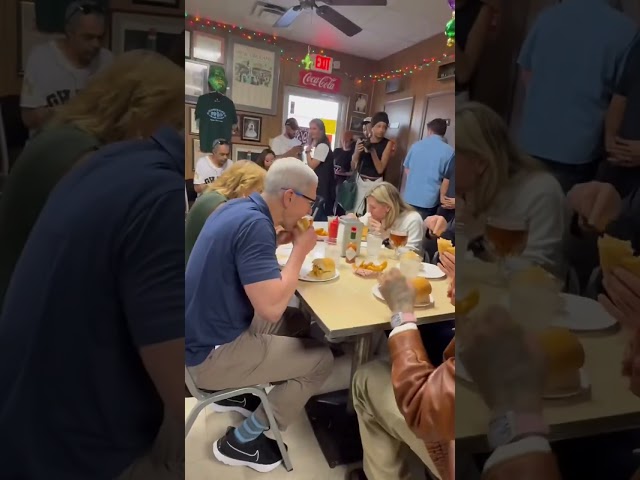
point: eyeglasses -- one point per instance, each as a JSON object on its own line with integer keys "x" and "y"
{"x": 298, "y": 194}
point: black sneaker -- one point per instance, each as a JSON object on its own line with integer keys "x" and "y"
{"x": 261, "y": 454}
{"x": 245, "y": 405}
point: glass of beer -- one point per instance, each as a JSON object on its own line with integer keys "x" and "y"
{"x": 398, "y": 238}
{"x": 507, "y": 238}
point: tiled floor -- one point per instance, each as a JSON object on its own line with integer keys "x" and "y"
{"x": 308, "y": 461}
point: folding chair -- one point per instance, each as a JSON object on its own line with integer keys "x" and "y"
{"x": 204, "y": 398}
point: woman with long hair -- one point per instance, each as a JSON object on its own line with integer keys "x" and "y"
{"x": 387, "y": 211}
{"x": 240, "y": 180}
{"x": 266, "y": 158}
{"x": 120, "y": 103}
{"x": 495, "y": 180}
{"x": 320, "y": 158}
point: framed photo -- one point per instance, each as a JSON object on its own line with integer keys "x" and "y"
{"x": 355, "y": 125}
{"x": 393, "y": 85}
{"x": 251, "y": 129}
{"x": 149, "y": 32}
{"x": 158, "y": 3}
{"x": 362, "y": 101}
{"x": 235, "y": 131}
{"x": 253, "y": 74}
{"x": 246, "y": 152}
{"x": 28, "y": 34}
{"x": 187, "y": 44}
{"x": 193, "y": 125}
{"x": 208, "y": 48}
{"x": 195, "y": 152}
{"x": 196, "y": 75}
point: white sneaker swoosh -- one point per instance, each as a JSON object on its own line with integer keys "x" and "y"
{"x": 256, "y": 454}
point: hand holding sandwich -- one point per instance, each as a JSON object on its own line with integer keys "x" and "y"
{"x": 304, "y": 237}
{"x": 622, "y": 299}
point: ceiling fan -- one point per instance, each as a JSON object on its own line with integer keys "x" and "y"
{"x": 328, "y": 14}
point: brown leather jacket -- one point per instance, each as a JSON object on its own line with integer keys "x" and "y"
{"x": 426, "y": 397}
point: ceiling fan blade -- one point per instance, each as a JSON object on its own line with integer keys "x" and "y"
{"x": 357, "y": 3}
{"x": 338, "y": 20}
{"x": 288, "y": 18}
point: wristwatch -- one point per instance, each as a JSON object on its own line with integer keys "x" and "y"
{"x": 401, "y": 318}
{"x": 511, "y": 426}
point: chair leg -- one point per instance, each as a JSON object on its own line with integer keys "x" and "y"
{"x": 276, "y": 431}
{"x": 193, "y": 415}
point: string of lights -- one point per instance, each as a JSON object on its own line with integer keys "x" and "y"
{"x": 199, "y": 23}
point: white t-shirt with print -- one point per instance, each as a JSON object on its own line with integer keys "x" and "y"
{"x": 51, "y": 80}
{"x": 206, "y": 172}
{"x": 282, "y": 144}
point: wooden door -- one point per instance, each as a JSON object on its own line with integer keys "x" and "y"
{"x": 441, "y": 105}
{"x": 400, "y": 113}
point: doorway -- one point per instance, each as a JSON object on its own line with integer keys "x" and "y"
{"x": 400, "y": 113}
{"x": 305, "y": 105}
{"x": 441, "y": 105}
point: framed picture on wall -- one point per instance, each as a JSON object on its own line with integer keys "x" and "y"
{"x": 355, "y": 125}
{"x": 235, "y": 131}
{"x": 193, "y": 125}
{"x": 158, "y": 3}
{"x": 393, "y": 85}
{"x": 253, "y": 74}
{"x": 195, "y": 80}
{"x": 361, "y": 103}
{"x": 28, "y": 34}
{"x": 187, "y": 44}
{"x": 246, "y": 152}
{"x": 208, "y": 48}
{"x": 251, "y": 129}
{"x": 149, "y": 32}
{"x": 195, "y": 152}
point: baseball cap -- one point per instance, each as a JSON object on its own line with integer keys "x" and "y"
{"x": 366, "y": 120}
{"x": 292, "y": 122}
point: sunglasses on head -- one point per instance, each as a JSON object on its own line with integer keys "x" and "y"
{"x": 219, "y": 141}
{"x": 85, "y": 9}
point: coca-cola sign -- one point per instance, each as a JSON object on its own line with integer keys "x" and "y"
{"x": 319, "y": 81}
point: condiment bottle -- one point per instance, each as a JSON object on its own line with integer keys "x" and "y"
{"x": 333, "y": 231}
{"x": 352, "y": 247}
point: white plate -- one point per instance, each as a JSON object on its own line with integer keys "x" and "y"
{"x": 304, "y": 275}
{"x": 583, "y": 314}
{"x": 585, "y": 384}
{"x": 376, "y": 293}
{"x": 430, "y": 270}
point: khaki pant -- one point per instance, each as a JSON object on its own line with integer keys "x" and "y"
{"x": 165, "y": 461}
{"x": 271, "y": 353}
{"x": 386, "y": 437}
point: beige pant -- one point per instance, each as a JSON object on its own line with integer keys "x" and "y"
{"x": 165, "y": 461}
{"x": 271, "y": 353}
{"x": 386, "y": 437}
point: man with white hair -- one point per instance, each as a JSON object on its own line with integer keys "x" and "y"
{"x": 232, "y": 275}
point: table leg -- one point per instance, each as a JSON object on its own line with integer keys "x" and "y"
{"x": 361, "y": 355}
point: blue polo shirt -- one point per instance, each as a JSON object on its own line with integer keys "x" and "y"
{"x": 101, "y": 276}
{"x": 236, "y": 247}
{"x": 427, "y": 162}
{"x": 574, "y": 52}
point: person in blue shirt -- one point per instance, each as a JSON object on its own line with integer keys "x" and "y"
{"x": 239, "y": 330}
{"x": 570, "y": 62}
{"x": 622, "y": 127}
{"x": 92, "y": 326}
{"x": 425, "y": 168}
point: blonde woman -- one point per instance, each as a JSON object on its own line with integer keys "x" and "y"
{"x": 387, "y": 211}
{"x": 120, "y": 103}
{"x": 497, "y": 181}
{"x": 240, "y": 180}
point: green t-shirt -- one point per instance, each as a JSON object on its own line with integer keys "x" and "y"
{"x": 46, "y": 158}
{"x": 216, "y": 115}
{"x": 197, "y": 216}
